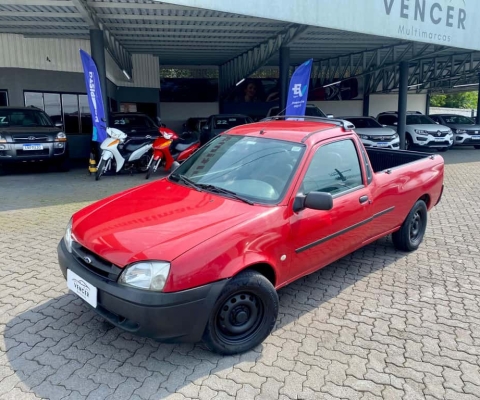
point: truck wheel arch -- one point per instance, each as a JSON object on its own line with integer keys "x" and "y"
{"x": 264, "y": 269}
{"x": 426, "y": 199}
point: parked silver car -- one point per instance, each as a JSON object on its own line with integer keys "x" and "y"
{"x": 373, "y": 134}
{"x": 465, "y": 131}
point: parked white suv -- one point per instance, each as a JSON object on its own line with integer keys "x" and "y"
{"x": 421, "y": 131}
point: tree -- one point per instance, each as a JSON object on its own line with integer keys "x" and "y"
{"x": 467, "y": 100}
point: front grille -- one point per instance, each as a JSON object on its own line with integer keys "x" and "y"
{"x": 26, "y": 153}
{"x": 436, "y": 133}
{"x": 381, "y": 138}
{"x": 30, "y": 139}
{"x": 97, "y": 265}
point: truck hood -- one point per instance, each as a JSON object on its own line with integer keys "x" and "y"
{"x": 375, "y": 131}
{"x": 159, "y": 221}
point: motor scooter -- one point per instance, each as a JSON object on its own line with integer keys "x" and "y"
{"x": 169, "y": 150}
{"x": 119, "y": 150}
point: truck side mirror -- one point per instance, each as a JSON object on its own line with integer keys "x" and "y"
{"x": 330, "y": 116}
{"x": 314, "y": 200}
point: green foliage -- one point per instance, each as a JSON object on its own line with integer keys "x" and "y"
{"x": 467, "y": 100}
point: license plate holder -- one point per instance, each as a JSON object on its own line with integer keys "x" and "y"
{"x": 382, "y": 144}
{"x": 28, "y": 147}
{"x": 476, "y": 137}
{"x": 82, "y": 288}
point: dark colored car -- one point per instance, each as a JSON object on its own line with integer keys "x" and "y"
{"x": 194, "y": 124}
{"x": 28, "y": 134}
{"x": 137, "y": 126}
{"x": 219, "y": 123}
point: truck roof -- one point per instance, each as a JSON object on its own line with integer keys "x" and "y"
{"x": 294, "y": 131}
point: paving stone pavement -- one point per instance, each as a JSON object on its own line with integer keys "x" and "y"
{"x": 376, "y": 324}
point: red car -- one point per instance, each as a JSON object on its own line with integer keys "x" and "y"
{"x": 201, "y": 253}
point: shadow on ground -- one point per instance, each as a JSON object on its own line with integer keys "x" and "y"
{"x": 62, "y": 348}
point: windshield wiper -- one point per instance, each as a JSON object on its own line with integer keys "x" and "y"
{"x": 186, "y": 180}
{"x": 218, "y": 189}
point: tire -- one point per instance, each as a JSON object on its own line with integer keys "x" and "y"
{"x": 64, "y": 165}
{"x": 248, "y": 305}
{"x": 100, "y": 167}
{"x": 150, "y": 170}
{"x": 477, "y": 147}
{"x": 142, "y": 163}
{"x": 410, "y": 235}
{"x": 408, "y": 142}
{"x": 444, "y": 149}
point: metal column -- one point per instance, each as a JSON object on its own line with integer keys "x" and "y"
{"x": 366, "y": 96}
{"x": 97, "y": 47}
{"x": 478, "y": 103}
{"x": 427, "y": 107}
{"x": 402, "y": 103}
{"x": 284, "y": 76}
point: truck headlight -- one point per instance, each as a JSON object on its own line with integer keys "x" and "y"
{"x": 148, "y": 275}
{"x": 68, "y": 238}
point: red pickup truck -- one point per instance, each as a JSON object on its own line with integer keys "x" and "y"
{"x": 201, "y": 253}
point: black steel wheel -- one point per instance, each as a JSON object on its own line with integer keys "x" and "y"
{"x": 408, "y": 142}
{"x": 243, "y": 316}
{"x": 410, "y": 235}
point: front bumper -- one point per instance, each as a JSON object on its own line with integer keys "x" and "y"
{"x": 14, "y": 152}
{"x": 433, "y": 141}
{"x": 464, "y": 139}
{"x": 392, "y": 144}
{"x": 170, "y": 317}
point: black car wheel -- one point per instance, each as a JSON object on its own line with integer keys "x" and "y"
{"x": 63, "y": 165}
{"x": 477, "y": 147}
{"x": 443, "y": 149}
{"x": 408, "y": 142}
{"x": 243, "y": 316}
{"x": 410, "y": 235}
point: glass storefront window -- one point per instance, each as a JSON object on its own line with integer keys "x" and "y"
{"x": 34, "y": 99}
{"x": 53, "y": 106}
{"x": 3, "y": 98}
{"x": 86, "y": 116}
{"x": 70, "y": 113}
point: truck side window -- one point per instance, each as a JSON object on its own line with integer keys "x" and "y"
{"x": 335, "y": 168}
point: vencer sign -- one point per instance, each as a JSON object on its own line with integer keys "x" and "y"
{"x": 430, "y": 13}
{"x": 454, "y": 23}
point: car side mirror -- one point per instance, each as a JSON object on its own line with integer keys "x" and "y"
{"x": 330, "y": 116}
{"x": 314, "y": 200}
{"x": 384, "y": 126}
{"x": 59, "y": 124}
{"x": 438, "y": 123}
{"x": 395, "y": 124}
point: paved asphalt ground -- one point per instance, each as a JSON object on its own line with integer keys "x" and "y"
{"x": 376, "y": 324}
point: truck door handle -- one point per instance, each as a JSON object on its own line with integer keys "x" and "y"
{"x": 363, "y": 199}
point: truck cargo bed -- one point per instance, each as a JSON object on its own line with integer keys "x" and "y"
{"x": 382, "y": 159}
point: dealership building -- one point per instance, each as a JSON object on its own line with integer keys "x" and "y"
{"x": 193, "y": 58}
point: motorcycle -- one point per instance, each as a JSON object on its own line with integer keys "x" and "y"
{"x": 117, "y": 149}
{"x": 170, "y": 150}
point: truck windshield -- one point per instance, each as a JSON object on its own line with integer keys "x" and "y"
{"x": 257, "y": 169}
{"x": 26, "y": 118}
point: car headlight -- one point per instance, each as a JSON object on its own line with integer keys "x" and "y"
{"x": 68, "y": 238}
{"x": 421, "y": 132}
{"x": 148, "y": 275}
{"x": 396, "y": 136}
{"x": 366, "y": 137}
{"x": 2, "y": 139}
{"x": 61, "y": 137}
{"x": 460, "y": 131}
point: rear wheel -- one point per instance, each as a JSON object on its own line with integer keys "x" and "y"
{"x": 243, "y": 316}
{"x": 101, "y": 166}
{"x": 142, "y": 163}
{"x": 410, "y": 235}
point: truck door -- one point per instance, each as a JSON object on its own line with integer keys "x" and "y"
{"x": 321, "y": 237}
